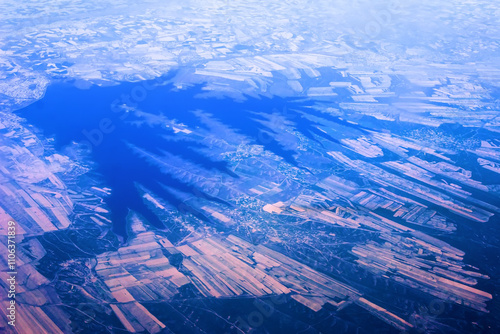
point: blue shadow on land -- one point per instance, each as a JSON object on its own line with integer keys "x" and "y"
{"x": 105, "y": 119}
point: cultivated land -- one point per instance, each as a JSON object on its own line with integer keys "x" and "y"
{"x": 344, "y": 178}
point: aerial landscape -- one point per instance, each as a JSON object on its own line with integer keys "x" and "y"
{"x": 249, "y": 167}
